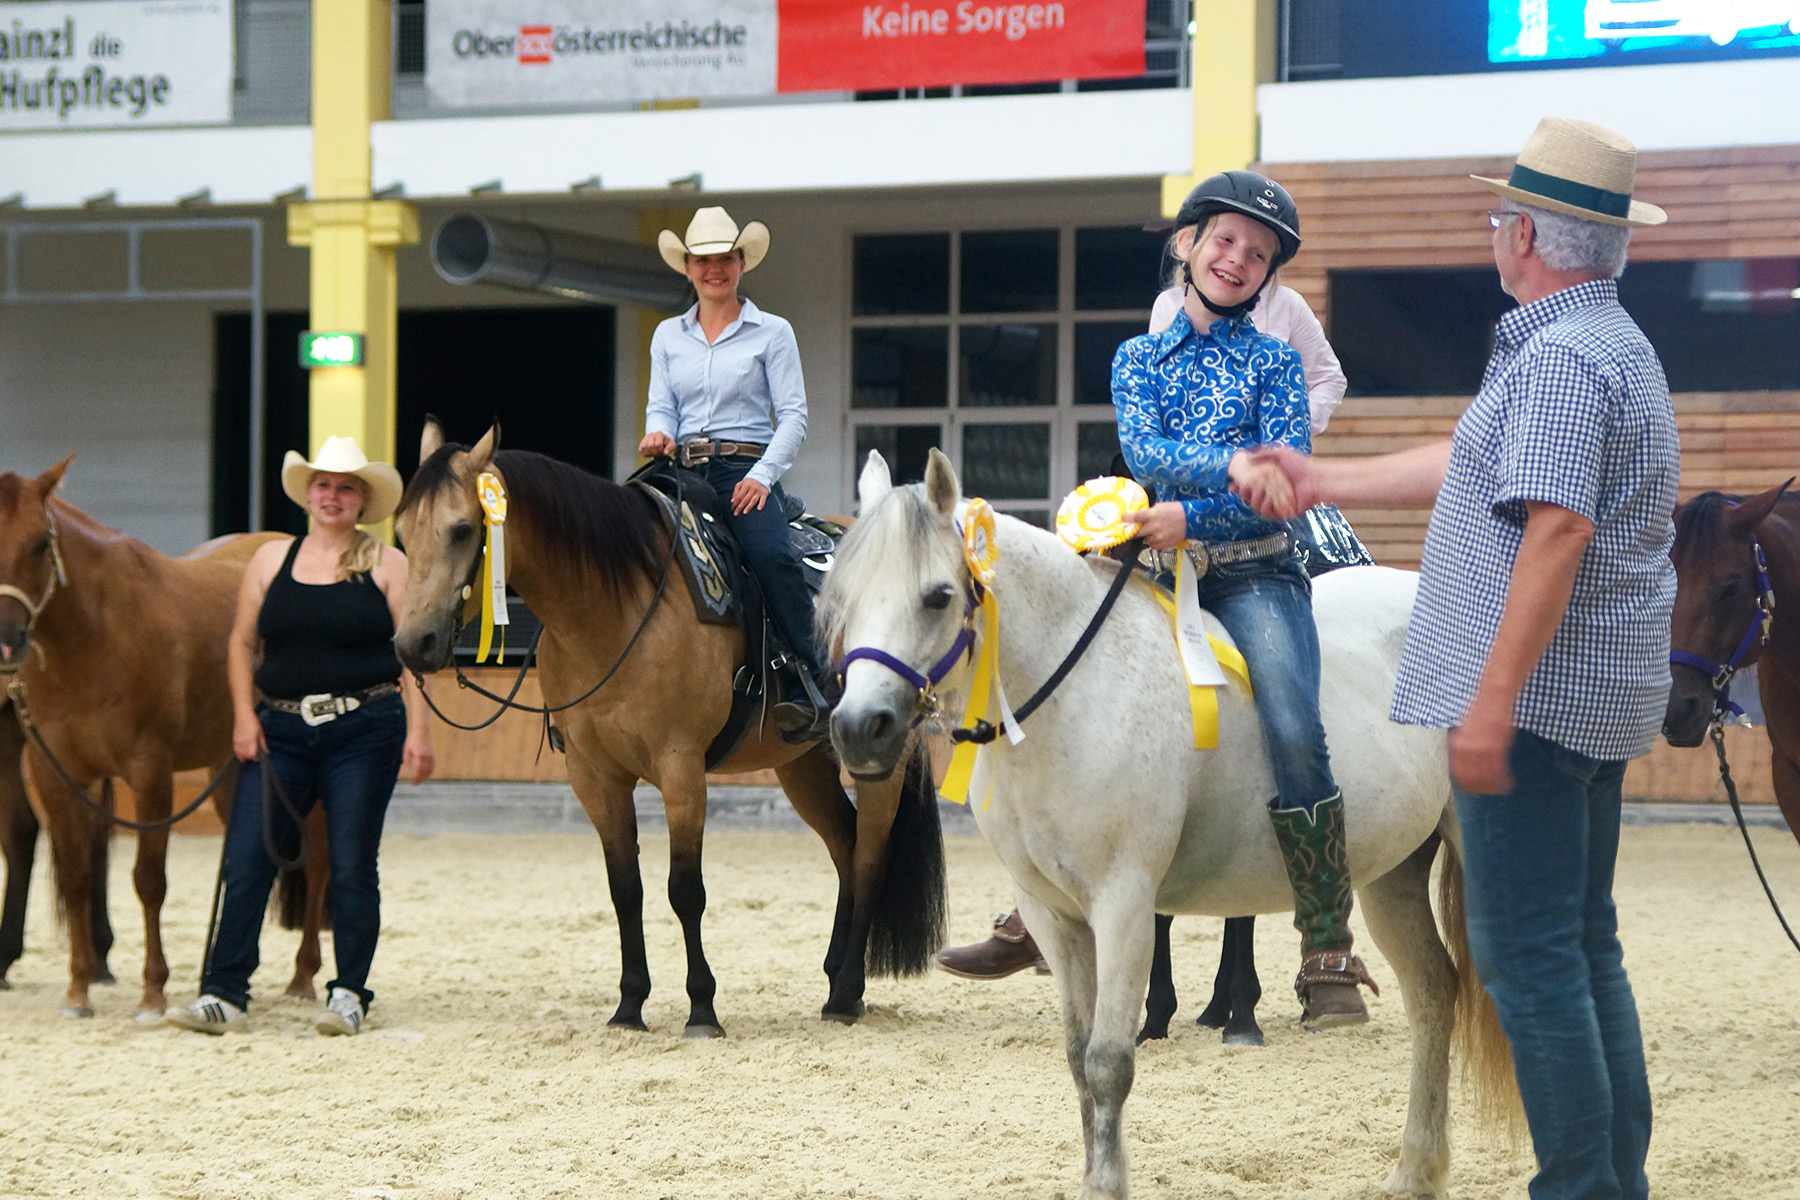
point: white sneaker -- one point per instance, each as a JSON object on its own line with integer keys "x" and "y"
{"x": 209, "y": 1014}
{"x": 343, "y": 1015}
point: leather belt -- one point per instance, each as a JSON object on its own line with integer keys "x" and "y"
{"x": 1207, "y": 555}
{"x": 323, "y": 706}
{"x": 695, "y": 451}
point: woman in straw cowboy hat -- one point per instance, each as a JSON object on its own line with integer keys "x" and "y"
{"x": 727, "y": 400}
{"x": 314, "y": 634}
{"x": 1540, "y": 637}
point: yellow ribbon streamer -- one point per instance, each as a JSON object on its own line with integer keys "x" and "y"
{"x": 981, "y": 691}
{"x": 1203, "y": 702}
{"x": 492, "y": 495}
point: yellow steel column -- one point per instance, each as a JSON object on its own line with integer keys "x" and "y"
{"x": 351, "y": 236}
{"x": 1233, "y": 50}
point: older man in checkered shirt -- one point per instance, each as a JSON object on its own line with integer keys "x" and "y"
{"x": 1540, "y": 638}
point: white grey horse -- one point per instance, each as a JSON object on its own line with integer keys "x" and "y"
{"x": 1106, "y": 813}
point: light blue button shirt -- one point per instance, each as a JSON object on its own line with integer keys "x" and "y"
{"x": 744, "y": 387}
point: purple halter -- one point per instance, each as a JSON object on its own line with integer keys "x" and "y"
{"x": 1721, "y": 673}
{"x": 925, "y": 681}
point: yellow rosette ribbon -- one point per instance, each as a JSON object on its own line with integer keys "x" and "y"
{"x": 982, "y": 554}
{"x": 1203, "y": 701}
{"x": 1092, "y": 517}
{"x": 492, "y": 495}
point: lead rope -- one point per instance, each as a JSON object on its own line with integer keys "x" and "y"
{"x": 16, "y": 689}
{"x": 1718, "y": 740}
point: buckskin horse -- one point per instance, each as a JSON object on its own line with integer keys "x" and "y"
{"x": 119, "y": 654}
{"x": 1733, "y": 556}
{"x": 586, "y": 555}
{"x": 1102, "y": 821}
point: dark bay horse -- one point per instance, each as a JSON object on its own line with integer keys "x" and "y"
{"x": 120, "y": 652}
{"x": 18, "y": 843}
{"x": 1718, "y": 597}
{"x": 586, "y": 555}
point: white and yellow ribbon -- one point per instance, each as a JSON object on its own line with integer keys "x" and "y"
{"x": 1203, "y": 699}
{"x": 982, "y": 554}
{"x": 492, "y": 494}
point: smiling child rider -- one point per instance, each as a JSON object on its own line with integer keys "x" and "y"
{"x": 1192, "y": 403}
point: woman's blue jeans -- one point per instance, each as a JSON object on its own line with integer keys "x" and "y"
{"x": 1538, "y": 870}
{"x": 1266, "y": 606}
{"x": 763, "y": 535}
{"x": 349, "y": 765}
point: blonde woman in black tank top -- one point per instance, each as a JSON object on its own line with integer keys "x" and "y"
{"x": 337, "y": 723}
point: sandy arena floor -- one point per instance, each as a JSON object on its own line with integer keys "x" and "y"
{"x": 487, "y": 1070}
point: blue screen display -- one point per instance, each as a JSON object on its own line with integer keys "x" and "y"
{"x": 1522, "y": 31}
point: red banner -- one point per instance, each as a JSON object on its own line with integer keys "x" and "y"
{"x": 871, "y": 45}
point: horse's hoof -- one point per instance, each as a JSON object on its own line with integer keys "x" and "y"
{"x": 78, "y": 1012}
{"x": 297, "y": 991}
{"x": 702, "y": 1032}
{"x": 145, "y": 1016}
{"x": 5, "y": 985}
{"x": 105, "y": 976}
{"x": 1242, "y": 1037}
{"x": 849, "y": 1017}
{"x": 635, "y": 1023}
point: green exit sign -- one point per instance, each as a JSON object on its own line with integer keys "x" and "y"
{"x": 330, "y": 349}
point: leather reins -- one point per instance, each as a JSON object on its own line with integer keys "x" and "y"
{"x": 503, "y": 703}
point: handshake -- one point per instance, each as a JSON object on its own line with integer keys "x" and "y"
{"x": 1277, "y": 482}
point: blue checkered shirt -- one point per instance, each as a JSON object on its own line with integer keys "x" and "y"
{"x": 1573, "y": 411}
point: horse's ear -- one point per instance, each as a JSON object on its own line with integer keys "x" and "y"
{"x": 431, "y": 438}
{"x": 1752, "y": 511}
{"x": 48, "y": 481}
{"x": 483, "y": 453}
{"x": 941, "y": 487}
{"x": 875, "y": 482}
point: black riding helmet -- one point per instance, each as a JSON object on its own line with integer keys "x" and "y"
{"x": 1255, "y": 196}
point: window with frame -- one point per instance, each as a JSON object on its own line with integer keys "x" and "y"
{"x": 996, "y": 347}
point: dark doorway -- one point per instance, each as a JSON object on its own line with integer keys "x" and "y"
{"x": 546, "y": 374}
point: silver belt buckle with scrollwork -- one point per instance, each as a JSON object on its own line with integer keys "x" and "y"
{"x": 323, "y": 707}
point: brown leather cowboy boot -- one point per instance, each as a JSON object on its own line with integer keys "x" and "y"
{"x": 1317, "y": 859}
{"x": 1007, "y": 952}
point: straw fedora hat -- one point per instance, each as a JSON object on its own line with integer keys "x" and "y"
{"x": 342, "y": 456}
{"x": 712, "y": 231}
{"x": 1578, "y": 168}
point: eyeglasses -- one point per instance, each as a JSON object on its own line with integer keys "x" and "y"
{"x": 1498, "y": 215}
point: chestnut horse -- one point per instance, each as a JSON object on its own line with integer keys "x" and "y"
{"x": 1720, "y": 592}
{"x": 119, "y": 652}
{"x": 587, "y": 555}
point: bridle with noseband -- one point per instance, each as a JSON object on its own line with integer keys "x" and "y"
{"x": 59, "y": 577}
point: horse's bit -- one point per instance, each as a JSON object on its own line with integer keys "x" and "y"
{"x": 59, "y": 576}
{"x": 1757, "y": 635}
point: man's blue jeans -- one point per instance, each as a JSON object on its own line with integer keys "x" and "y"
{"x": 1266, "y": 606}
{"x": 1538, "y": 869}
{"x": 763, "y": 534}
{"x": 349, "y": 765}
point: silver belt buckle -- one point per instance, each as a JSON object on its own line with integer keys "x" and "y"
{"x": 1201, "y": 557}
{"x": 323, "y": 707}
{"x": 697, "y": 450}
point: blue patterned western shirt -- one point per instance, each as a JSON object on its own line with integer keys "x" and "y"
{"x": 1573, "y": 411}
{"x": 1187, "y": 401}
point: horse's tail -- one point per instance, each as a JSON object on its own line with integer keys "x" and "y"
{"x": 291, "y": 901}
{"x": 907, "y": 925}
{"x": 1487, "y": 1066}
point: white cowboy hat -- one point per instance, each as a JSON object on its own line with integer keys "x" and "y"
{"x": 712, "y": 231}
{"x": 342, "y": 456}
{"x": 1578, "y": 168}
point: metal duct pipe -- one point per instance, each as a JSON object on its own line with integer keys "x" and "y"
{"x": 470, "y": 248}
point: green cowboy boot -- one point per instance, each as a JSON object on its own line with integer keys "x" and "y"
{"x": 1317, "y": 860}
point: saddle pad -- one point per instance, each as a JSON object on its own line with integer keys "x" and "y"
{"x": 710, "y": 569}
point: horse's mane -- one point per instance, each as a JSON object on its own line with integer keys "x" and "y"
{"x": 586, "y": 523}
{"x": 898, "y": 527}
{"x": 1703, "y": 516}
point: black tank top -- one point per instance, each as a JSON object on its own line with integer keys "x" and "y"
{"x": 324, "y": 637}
